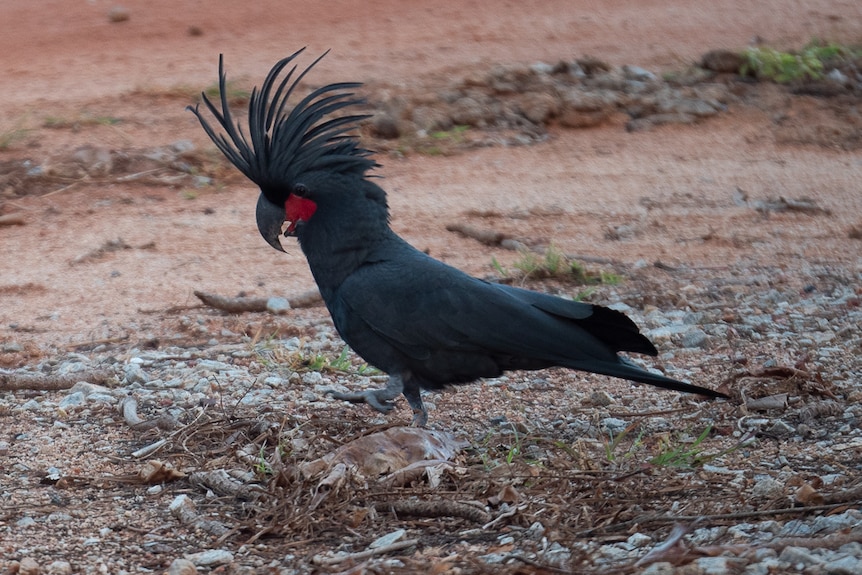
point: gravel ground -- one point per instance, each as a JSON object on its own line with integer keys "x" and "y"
{"x": 622, "y": 478}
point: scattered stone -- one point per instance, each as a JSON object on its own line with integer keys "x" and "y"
{"x": 118, "y": 14}
{"x": 210, "y": 557}
{"x": 181, "y": 566}
{"x": 844, "y": 566}
{"x": 28, "y": 566}
{"x": 723, "y": 61}
{"x": 60, "y": 568}
{"x": 767, "y": 488}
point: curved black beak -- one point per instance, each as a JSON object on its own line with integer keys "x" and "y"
{"x": 270, "y": 217}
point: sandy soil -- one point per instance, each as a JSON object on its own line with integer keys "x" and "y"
{"x": 72, "y": 78}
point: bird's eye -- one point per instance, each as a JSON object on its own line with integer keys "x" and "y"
{"x": 300, "y": 190}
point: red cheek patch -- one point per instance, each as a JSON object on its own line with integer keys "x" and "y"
{"x": 298, "y": 209}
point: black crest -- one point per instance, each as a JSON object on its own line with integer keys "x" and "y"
{"x": 284, "y": 142}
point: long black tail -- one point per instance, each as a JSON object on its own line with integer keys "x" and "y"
{"x": 626, "y": 370}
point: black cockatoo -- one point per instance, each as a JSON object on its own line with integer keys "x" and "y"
{"x": 425, "y": 324}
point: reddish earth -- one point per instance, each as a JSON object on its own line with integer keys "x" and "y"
{"x": 73, "y": 78}
{"x": 66, "y": 62}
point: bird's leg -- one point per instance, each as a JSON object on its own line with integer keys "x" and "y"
{"x": 412, "y": 392}
{"x": 379, "y": 399}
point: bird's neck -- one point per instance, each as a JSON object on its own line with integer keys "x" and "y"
{"x": 337, "y": 244}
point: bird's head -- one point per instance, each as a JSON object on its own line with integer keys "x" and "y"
{"x": 287, "y": 148}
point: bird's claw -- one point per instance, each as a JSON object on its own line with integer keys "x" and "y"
{"x": 379, "y": 399}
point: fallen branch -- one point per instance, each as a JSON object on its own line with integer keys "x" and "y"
{"x": 16, "y": 219}
{"x": 434, "y": 509}
{"x": 243, "y": 304}
{"x": 487, "y": 237}
{"x": 15, "y": 380}
{"x": 310, "y": 298}
{"x": 220, "y": 482}
{"x": 129, "y": 407}
{"x": 184, "y": 510}
{"x": 650, "y": 519}
{"x": 335, "y": 559}
{"x": 276, "y": 305}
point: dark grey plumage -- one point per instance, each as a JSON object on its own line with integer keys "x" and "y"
{"x": 426, "y": 324}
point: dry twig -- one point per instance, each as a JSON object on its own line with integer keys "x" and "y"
{"x": 334, "y": 560}
{"x": 129, "y": 408}
{"x": 14, "y": 219}
{"x": 183, "y": 508}
{"x": 434, "y": 509}
{"x": 17, "y": 380}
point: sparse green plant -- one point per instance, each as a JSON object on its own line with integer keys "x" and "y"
{"x": 613, "y": 443}
{"x": 11, "y": 136}
{"x": 455, "y": 134}
{"x": 342, "y": 362}
{"x": 554, "y": 263}
{"x": 677, "y": 453}
{"x": 584, "y": 294}
{"x": 515, "y": 448}
{"x": 680, "y": 453}
{"x": 61, "y": 123}
{"x": 808, "y": 63}
{"x": 235, "y": 96}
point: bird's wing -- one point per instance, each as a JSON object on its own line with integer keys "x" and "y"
{"x": 430, "y": 307}
{"x": 455, "y": 324}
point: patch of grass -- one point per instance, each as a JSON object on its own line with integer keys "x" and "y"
{"x": 454, "y": 134}
{"x": 613, "y": 443}
{"x": 9, "y": 137}
{"x": 809, "y": 63}
{"x": 61, "y": 123}
{"x": 235, "y": 96}
{"x": 671, "y": 450}
{"x": 678, "y": 453}
{"x": 554, "y": 264}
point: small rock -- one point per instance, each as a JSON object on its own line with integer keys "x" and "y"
{"x": 385, "y": 126}
{"x": 431, "y": 119}
{"x": 538, "y": 107}
{"x": 601, "y": 398}
{"x": 694, "y": 338}
{"x": 638, "y": 74}
{"x": 135, "y": 374}
{"x": 387, "y": 539}
{"x": 118, "y": 14}
{"x": 210, "y": 557}
{"x": 60, "y": 568}
{"x": 614, "y": 425}
{"x": 780, "y": 428}
{"x": 723, "y": 61}
{"x": 638, "y": 540}
{"x": 28, "y": 566}
{"x": 182, "y": 566}
{"x": 312, "y": 378}
{"x": 838, "y": 77}
{"x": 277, "y": 305}
{"x": 661, "y": 568}
{"x": 716, "y": 566}
{"x": 767, "y": 488}
{"x": 798, "y": 557}
{"x": 844, "y": 566}
{"x": 31, "y": 405}
{"x": 87, "y": 388}
{"x": 72, "y": 400}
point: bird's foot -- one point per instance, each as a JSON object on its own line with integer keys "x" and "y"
{"x": 379, "y": 399}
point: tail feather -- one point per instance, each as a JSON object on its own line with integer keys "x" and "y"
{"x": 632, "y": 372}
